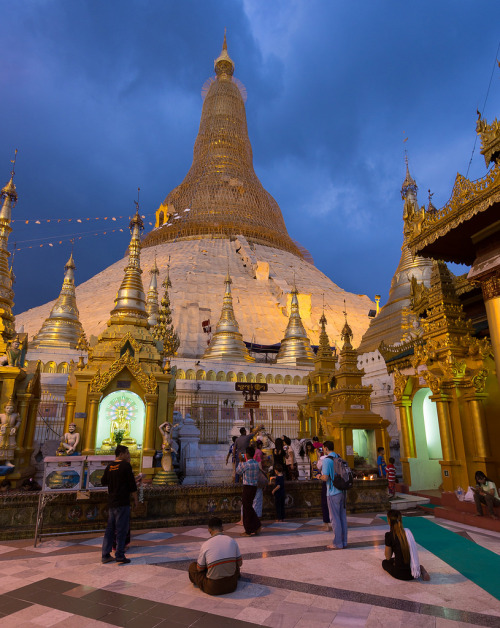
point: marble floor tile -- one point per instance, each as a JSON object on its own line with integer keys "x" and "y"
{"x": 278, "y": 620}
{"x": 253, "y": 614}
{"x": 202, "y": 533}
{"x": 154, "y": 536}
{"x": 51, "y": 617}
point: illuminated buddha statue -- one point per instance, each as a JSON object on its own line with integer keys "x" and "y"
{"x": 120, "y": 427}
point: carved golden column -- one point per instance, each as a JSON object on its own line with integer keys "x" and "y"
{"x": 23, "y": 401}
{"x": 30, "y": 426}
{"x": 148, "y": 446}
{"x": 443, "y": 412}
{"x": 407, "y": 430}
{"x": 70, "y": 413}
{"x": 91, "y": 424}
{"x": 408, "y": 437}
{"x": 491, "y": 294}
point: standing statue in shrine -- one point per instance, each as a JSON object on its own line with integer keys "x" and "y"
{"x": 168, "y": 446}
{"x": 14, "y": 356}
{"x": 9, "y": 425}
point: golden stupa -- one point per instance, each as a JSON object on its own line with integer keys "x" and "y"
{"x": 227, "y": 341}
{"x": 62, "y": 328}
{"x": 219, "y": 215}
{"x": 221, "y": 194}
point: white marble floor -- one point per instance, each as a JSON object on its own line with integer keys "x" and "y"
{"x": 289, "y": 581}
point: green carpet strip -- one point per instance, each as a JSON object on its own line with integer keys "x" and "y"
{"x": 478, "y": 564}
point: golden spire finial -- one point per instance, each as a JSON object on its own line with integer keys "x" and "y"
{"x": 324, "y": 351}
{"x": 223, "y": 65}
{"x": 62, "y": 328}
{"x": 152, "y": 306}
{"x": 227, "y": 341}
{"x": 346, "y": 334}
{"x": 409, "y": 184}
{"x": 130, "y": 300}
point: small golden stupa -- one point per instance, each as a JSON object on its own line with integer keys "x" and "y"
{"x": 227, "y": 341}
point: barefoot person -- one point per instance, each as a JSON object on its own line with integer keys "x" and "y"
{"x": 250, "y": 471}
{"x": 217, "y": 569}
{"x": 401, "y": 554}
{"x": 486, "y": 493}
{"x": 119, "y": 478}
{"x": 336, "y": 499}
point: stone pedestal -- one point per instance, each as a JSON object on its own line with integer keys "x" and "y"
{"x": 165, "y": 478}
{"x": 191, "y": 461}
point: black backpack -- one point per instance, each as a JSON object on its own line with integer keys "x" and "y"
{"x": 343, "y": 478}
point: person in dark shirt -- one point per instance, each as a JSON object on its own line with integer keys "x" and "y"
{"x": 119, "y": 478}
{"x": 401, "y": 562}
{"x": 243, "y": 441}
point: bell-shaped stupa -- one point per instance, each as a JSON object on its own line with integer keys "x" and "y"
{"x": 221, "y": 195}
{"x": 219, "y": 215}
{"x": 62, "y": 328}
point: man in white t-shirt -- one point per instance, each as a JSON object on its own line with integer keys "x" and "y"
{"x": 217, "y": 569}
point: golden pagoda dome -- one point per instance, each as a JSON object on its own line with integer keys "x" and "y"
{"x": 227, "y": 341}
{"x": 295, "y": 346}
{"x": 62, "y": 328}
{"x": 221, "y": 196}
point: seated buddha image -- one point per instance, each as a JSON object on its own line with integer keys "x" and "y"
{"x": 119, "y": 430}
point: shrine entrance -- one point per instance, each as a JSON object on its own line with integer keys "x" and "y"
{"x": 425, "y": 468}
{"x": 120, "y": 421}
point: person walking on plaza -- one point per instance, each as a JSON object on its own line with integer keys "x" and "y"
{"x": 324, "y": 501}
{"x": 291, "y": 462}
{"x": 279, "y": 493}
{"x": 391, "y": 478}
{"x": 119, "y": 478}
{"x": 381, "y": 465}
{"x": 232, "y": 454}
{"x": 250, "y": 471}
{"x": 401, "y": 553}
{"x": 336, "y": 499}
{"x": 485, "y": 493}
{"x": 217, "y": 569}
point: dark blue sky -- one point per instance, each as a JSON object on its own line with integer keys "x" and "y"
{"x": 103, "y": 97}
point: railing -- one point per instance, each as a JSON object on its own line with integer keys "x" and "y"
{"x": 50, "y": 417}
{"x": 215, "y": 417}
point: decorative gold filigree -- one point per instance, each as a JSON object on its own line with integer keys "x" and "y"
{"x": 127, "y": 338}
{"x": 433, "y": 382}
{"x": 490, "y": 139}
{"x": 490, "y": 287}
{"x": 479, "y": 380}
{"x": 400, "y": 382}
{"x": 147, "y": 382}
{"x": 468, "y": 199}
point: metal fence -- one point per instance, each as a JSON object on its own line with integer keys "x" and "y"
{"x": 50, "y": 417}
{"x": 215, "y": 416}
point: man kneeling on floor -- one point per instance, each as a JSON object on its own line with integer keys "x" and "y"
{"x": 218, "y": 567}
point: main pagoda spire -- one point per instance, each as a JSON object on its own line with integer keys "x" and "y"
{"x": 62, "y": 328}
{"x": 295, "y": 346}
{"x": 9, "y": 199}
{"x": 227, "y": 341}
{"x": 130, "y": 302}
{"x": 221, "y": 195}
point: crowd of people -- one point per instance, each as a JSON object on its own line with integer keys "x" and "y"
{"x": 219, "y": 562}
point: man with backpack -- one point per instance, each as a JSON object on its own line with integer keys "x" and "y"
{"x": 336, "y": 497}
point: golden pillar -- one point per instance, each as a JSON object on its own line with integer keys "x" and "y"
{"x": 30, "y": 426}
{"x": 408, "y": 437}
{"x": 450, "y": 468}
{"x": 70, "y": 414}
{"x": 91, "y": 425}
{"x": 148, "y": 446}
{"x": 491, "y": 295}
{"x": 476, "y": 410}
{"x": 23, "y": 401}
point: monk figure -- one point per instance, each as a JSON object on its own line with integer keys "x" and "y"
{"x": 9, "y": 424}
{"x": 168, "y": 446}
{"x": 71, "y": 440}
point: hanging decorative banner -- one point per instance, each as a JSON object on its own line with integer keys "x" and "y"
{"x": 28, "y": 221}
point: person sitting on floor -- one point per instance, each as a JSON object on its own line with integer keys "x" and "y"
{"x": 404, "y": 565}
{"x": 485, "y": 493}
{"x": 218, "y": 567}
